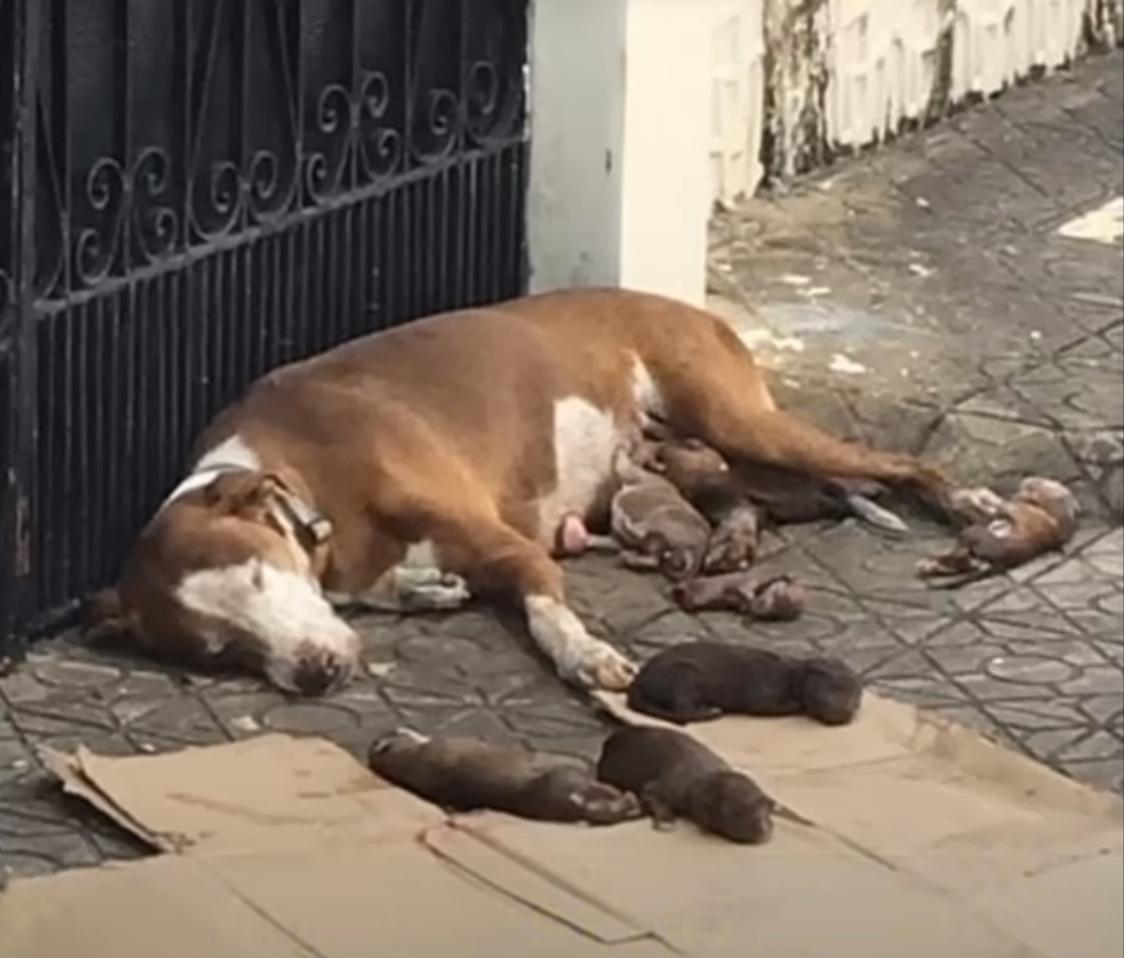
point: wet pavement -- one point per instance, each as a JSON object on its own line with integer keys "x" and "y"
{"x": 920, "y": 296}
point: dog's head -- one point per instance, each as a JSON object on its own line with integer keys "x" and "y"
{"x": 228, "y": 574}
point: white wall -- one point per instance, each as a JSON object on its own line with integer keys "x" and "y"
{"x": 577, "y": 105}
{"x": 619, "y": 187}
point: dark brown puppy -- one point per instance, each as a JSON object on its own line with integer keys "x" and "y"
{"x": 467, "y": 773}
{"x": 677, "y": 777}
{"x": 1002, "y": 534}
{"x": 698, "y": 681}
{"x": 779, "y": 599}
{"x": 773, "y": 494}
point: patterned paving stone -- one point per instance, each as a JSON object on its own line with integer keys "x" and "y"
{"x": 988, "y": 341}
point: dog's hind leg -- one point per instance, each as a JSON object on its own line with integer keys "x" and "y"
{"x": 721, "y": 397}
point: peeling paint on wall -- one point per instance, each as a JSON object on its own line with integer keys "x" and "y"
{"x": 840, "y": 75}
{"x": 796, "y": 79}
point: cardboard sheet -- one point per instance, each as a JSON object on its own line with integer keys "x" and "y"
{"x": 998, "y": 834}
{"x": 273, "y": 791}
{"x": 926, "y": 840}
{"x": 283, "y": 847}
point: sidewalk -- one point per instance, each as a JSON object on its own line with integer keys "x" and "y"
{"x": 920, "y": 296}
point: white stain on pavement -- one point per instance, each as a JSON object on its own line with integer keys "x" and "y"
{"x": 845, "y": 364}
{"x": 1105, "y": 224}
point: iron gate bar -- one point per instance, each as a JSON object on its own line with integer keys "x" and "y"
{"x": 223, "y": 187}
{"x": 15, "y": 519}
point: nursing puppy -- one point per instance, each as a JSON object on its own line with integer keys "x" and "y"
{"x": 703, "y": 478}
{"x": 774, "y": 495}
{"x": 652, "y": 525}
{"x": 697, "y": 681}
{"x": 676, "y": 776}
{"x": 468, "y": 773}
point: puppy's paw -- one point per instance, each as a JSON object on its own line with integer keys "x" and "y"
{"x": 604, "y": 805}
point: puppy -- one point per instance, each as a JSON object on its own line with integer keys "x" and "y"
{"x": 1039, "y": 518}
{"x": 467, "y": 773}
{"x": 652, "y": 525}
{"x": 698, "y": 681}
{"x": 779, "y": 599}
{"x": 678, "y": 777}
{"x": 703, "y": 478}
{"x": 771, "y": 493}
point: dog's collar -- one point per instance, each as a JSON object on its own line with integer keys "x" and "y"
{"x": 308, "y": 522}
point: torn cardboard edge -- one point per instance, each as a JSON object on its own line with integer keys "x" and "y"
{"x": 70, "y": 770}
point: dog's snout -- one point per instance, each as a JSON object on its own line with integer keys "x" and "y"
{"x": 319, "y": 670}
{"x": 315, "y": 678}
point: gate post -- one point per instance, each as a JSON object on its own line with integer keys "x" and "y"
{"x": 17, "y": 389}
{"x": 620, "y": 187}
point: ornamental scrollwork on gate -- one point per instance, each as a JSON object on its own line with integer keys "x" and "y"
{"x": 266, "y": 109}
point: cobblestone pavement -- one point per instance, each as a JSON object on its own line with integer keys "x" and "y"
{"x": 937, "y": 255}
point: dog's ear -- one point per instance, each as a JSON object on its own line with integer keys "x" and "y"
{"x": 238, "y": 492}
{"x": 104, "y": 617}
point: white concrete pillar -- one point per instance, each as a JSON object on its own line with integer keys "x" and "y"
{"x": 620, "y": 186}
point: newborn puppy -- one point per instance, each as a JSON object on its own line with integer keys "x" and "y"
{"x": 772, "y": 493}
{"x": 468, "y": 773}
{"x": 697, "y": 681}
{"x": 703, "y": 478}
{"x": 678, "y": 777}
{"x": 656, "y": 526}
{"x": 1040, "y": 517}
{"x": 779, "y": 599}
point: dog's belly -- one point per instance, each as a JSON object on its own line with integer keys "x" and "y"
{"x": 585, "y": 438}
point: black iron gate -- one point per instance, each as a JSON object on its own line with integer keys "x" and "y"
{"x": 194, "y": 191}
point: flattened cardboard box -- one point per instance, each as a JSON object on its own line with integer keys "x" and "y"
{"x": 284, "y": 847}
{"x": 928, "y": 841}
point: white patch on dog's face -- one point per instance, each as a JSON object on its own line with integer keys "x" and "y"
{"x": 283, "y": 612}
{"x": 585, "y": 439}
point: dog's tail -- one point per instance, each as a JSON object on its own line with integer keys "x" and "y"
{"x": 104, "y": 617}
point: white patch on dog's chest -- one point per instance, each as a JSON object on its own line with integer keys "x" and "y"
{"x": 646, "y": 394}
{"x": 585, "y": 438}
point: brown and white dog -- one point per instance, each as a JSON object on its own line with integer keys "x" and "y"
{"x": 411, "y": 468}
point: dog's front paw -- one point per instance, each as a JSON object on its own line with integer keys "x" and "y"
{"x": 603, "y": 667}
